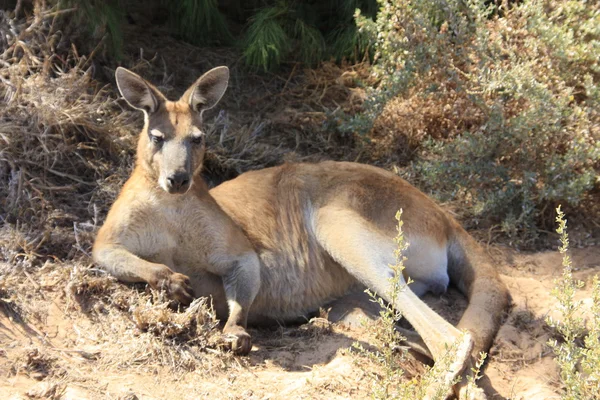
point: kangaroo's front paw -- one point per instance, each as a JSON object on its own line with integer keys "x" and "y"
{"x": 178, "y": 287}
{"x": 239, "y": 340}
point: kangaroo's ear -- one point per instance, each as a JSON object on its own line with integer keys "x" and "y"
{"x": 137, "y": 92}
{"x": 206, "y": 92}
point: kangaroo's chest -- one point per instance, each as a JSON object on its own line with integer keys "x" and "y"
{"x": 171, "y": 235}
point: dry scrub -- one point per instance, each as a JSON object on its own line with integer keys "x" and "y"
{"x": 63, "y": 142}
{"x": 115, "y": 325}
{"x": 494, "y": 104}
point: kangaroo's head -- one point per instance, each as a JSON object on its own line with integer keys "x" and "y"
{"x": 172, "y": 144}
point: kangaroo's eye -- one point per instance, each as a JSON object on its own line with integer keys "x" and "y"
{"x": 197, "y": 136}
{"x": 157, "y": 139}
{"x": 156, "y": 136}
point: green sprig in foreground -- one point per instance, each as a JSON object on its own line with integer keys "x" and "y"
{"x": 578, "y": 352}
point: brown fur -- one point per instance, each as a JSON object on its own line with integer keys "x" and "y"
{"x": 280, "y": 242}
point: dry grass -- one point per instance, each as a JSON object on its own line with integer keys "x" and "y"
{"x": 34, "y": 363}
{"x": 62, "y": 138}
{"x": 48, "y": 391}
{"x": 144, "y": 328}
{"x": 114, "y": 325}
{"x": 406, "y": 122}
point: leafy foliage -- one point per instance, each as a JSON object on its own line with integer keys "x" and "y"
{"x": 267, "y": 42}
{"x": 347, "y": 42}
{"x": 200, "y": 22}
{"x": 275, "y": 30}
{"x": 529, "y": 77}
{"x": 304, "y": 31}
{"x": 103, "y": 20}
{"x": 579, "y": 364}
{"x": 311, "y": 42}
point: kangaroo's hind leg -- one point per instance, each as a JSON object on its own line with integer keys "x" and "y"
{"x": 367, "y": 253}
{"x": 353, "y": 309}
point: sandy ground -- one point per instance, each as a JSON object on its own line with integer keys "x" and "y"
{"x": 62, "y": 355}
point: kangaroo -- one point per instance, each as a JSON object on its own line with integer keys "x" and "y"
{"x": 280, "y": 242}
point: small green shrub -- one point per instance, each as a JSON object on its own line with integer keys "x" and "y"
{"x": 267, "y": 42}
{"x": 387, "y": 336}
{"x": 578, "y": 353}
{"x": 268, "y": 32}
{"x": 304, "y": 31}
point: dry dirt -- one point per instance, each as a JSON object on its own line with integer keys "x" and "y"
{"x": 92, "y": 349}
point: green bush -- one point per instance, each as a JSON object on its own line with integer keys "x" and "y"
{"x": 268, "y": 39}
{"x": 531, "y": 78}
{"x": 199, "y": 22}
{"x": 578, "y": 353}
{"x": 304, "y": 31}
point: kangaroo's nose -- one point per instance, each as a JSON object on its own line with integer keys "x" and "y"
{"x": 178, "y": 182}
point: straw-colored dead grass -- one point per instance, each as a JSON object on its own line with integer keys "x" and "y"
{"x": 143, "y": 328}
{"x": 35, "y": 364}
{"x": 406, "y": 123}
{"x": 62, "y": 137}
{"x": 114, "y": 325}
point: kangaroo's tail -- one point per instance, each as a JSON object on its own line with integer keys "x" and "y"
{"x": 475, "y": 275}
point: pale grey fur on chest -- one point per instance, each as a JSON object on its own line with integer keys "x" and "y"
{"x": 170, "y": 235}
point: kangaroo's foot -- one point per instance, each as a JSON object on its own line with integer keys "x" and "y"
{"x": 239, "y": 340}
{"x": 458, "y": 367}
{"x": 466, "y": 390}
